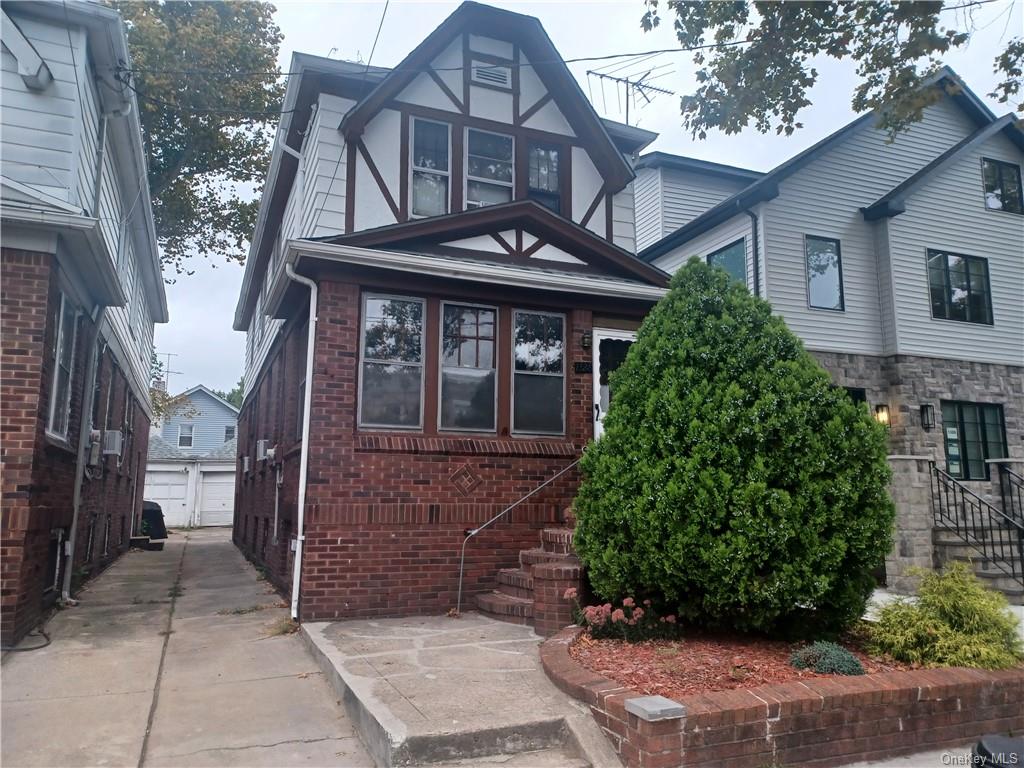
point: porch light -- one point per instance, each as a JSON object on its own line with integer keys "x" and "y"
{"x": 586, "y": 339}
{"x": 882, "y": 414}
{"x": 927, "y": 415}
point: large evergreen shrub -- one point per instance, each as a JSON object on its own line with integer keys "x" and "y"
{"x": 733, "y": 481}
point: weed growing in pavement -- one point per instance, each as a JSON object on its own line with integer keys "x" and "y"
{"x": 285, "y": 626}
{"x": 243, "y": 611}
{"x": 176, "y": 591}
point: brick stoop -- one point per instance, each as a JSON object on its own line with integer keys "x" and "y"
{"x": 534, "y": 593}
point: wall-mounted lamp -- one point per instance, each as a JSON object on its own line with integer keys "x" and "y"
{"x": 927, "y": 415}
{"x": 882, "y": 414}
{"x": 586, "y": 339}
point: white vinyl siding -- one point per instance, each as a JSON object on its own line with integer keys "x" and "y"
{"x": 623, "y": 221}
{"x": 736, "y": 228}
{"x": 208, "y": 417}
{"x": 325, "y": 160}
{"x": 647, "y": 207}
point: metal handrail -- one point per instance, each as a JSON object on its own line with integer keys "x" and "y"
{"x": 1011, "y": 491}
{"x": 474, "y": 531}
{"x": 998, "y": 536}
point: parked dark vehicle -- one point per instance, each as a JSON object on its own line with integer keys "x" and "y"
{"x": 153, "y": 521}
{"x": 998, "y": 752}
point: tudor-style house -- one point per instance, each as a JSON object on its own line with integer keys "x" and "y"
{"x": 441, "y": 278}
{"x": 81, "y": 289}
{"x": 901, "y": 267}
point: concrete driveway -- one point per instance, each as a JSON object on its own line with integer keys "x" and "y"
{"x": 173, "y": 658}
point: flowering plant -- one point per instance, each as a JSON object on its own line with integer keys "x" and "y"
{"x": 630, "y": 621}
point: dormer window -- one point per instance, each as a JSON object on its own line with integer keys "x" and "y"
{"x": 430, "y": 168}
{"x": 1002, "y": 186}
{"x": 543, "y": 182}
{"x": 488, "y": 168}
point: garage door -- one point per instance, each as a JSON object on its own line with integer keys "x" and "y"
{"x": 217, "y": 498}
{"x": 169, "y": 490}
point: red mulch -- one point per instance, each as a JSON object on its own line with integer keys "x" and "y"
{"x": 701, "y": 663}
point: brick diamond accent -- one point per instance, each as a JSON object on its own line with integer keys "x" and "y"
{"x": 465, "y": 480}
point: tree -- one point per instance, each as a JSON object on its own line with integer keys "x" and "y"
{"x": 209, "y": 91}
{"x": 754, "y": 58}
{"x": 733, "y": 483}
{"x": 165, "y": 404}
{"x": 233, "y": 396}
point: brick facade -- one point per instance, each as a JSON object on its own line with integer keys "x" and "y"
{"x": 38, "y": 470}
{"x": 387, "y": 512}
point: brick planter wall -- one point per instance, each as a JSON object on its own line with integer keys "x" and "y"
{"x": 813, "y": 722}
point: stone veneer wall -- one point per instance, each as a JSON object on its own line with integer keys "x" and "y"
{"x": 904, "y": 383}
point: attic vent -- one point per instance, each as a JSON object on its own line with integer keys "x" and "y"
{"x": 486, "y": 73}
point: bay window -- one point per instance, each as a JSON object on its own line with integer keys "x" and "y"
{"x": 467, "y": 367}
{"x": 488, "y": 168}
{"x": 65, "y": 336}
{"x": 391, "y": 393}
{"x": 538, "y": 377}
{"x": 431, "y": 168}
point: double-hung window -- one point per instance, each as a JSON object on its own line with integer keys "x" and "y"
{"x": 1003, "y": 190}
{"x": 431, "y": 168}
{"x": 186, "y": 434}
{"x": 538, "y": 381}
{"x": 63, "y": 367}
{"x": 488, "y": 168}
{"x": 229, "y": 433}
{"x": 973, "y": 433}
{"x": 733, "y": 259}
{"x": 543, "y": 185}
{"x": 824, "y": 265}
{"x": 391, "y": 394}
{"x": 959, "y": 287}
{"x": 467, "y": 367}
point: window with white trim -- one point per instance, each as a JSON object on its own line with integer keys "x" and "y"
{"x": 63, "y": 368}
{"x": 229, "y": 433}
{"x": 538, "y": 376}
{"x": 186, "y": 435}
{"x": 391, "y": 393}
{"x": 467, "y": 367}
{"x": 431, "y": 167}
{"x": 489, "y": 173}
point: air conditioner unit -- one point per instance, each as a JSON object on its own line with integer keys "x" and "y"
{"x": 95, "y": 445}
{"x": 271, "y": 453}
{"x": 113, "y": 441}
{"x": 261, "y": 449}
{"x": 247, "y": 463}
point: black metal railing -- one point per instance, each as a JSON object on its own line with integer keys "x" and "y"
{"x": 999, "y": 537}
{"x": 1011, "y": 491}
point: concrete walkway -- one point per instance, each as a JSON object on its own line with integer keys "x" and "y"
{"x": 173, "y": 658}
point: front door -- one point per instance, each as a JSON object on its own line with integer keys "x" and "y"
{"x": 610, "y": 348}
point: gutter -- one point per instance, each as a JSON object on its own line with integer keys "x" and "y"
{"x": 300, "y": 531}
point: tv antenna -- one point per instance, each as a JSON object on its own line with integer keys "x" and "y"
{"x": 634, "y": 86}
{"x": 167, "y": 369}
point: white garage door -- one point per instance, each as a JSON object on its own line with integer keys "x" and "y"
{"x": 217, "y": 498}
{"x": 169, "y": 490}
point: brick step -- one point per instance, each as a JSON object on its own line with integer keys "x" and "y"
{"x": 557, "y": 540}
{"x": 505, "y": 607}
{"x": 530, "y": 557}
{"x": 515, "y": 582}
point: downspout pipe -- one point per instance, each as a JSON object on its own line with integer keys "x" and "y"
{"x": 84, "y": 437}
{"x": 755, "y": 245}
{"x": 300, "y": 530}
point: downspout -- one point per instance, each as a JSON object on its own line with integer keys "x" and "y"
{"x": 84, "y": 437}
{"x": 300, "y": 535}
{"x": 757, "y": 255}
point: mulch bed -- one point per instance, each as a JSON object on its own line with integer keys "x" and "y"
{"x": 702, "y": 663}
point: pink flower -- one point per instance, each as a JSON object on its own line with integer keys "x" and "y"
{"x": 670, "y": 619}
{"x": 628, "y": 603}
{"x": 638, "y": 613}
{"x": 618, "y": 615}
{"x": 570, "y": 593}
{"x": 647, "y": 603}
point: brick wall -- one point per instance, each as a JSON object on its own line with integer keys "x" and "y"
{"x": 386, "y": 512}
{"x": 814, "y": 722}
{"x": 39, "y": 471}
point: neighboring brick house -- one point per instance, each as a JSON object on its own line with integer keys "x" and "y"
{"x": 469, "y": 233}
{"x": 81, "y": 289}
{"x": 900, "y": 264}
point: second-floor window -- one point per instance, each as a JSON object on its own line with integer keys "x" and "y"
{"x": 542, "y": 184}
{"x": 65, "y": 334}
{"x": 186, "y": 432}
{"x": 973, "y": 433}
{"x": 431, "y": 168}
{"x": 392, "y": 364}
{"x": 1003, "y": 190}
{"x": 959, "y": 287}
{"x": 824, "y": 274}
{"x": 488, "y": 168}
{"x": 733, "y": 259}
{"x": 229, "y": 433}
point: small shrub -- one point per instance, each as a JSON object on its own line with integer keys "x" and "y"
{"x": 827, "y": 659}
{"x": 955, "y": 622}
{"x": 630, "y": 621}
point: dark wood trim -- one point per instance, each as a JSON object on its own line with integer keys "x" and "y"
{"x": 565, "y": 181}
{"x": 403, "y": 168}
{"x": 447, "y": 91}
{"x": 503, "y": 358}
{"x": 465, "y": 73}
{"x": 505, "y": 257}
{"x": 350, "y": 188}
{"x": 432, "y": 366}
{"x": 536, "y": 247}
{"x": 515, "y": 85}
{"x": 509, "y": 249}
{"x": 593, "y": 207}
{"x": 519, "y": 240}
{"x": 491, "y": 58}
{"x": 609, "y": 221}
{"x": 537, "y": 107}
{"x": 457, "y": 180}
{"x": 469, "y": 121}
{"x": 388, "y": 198}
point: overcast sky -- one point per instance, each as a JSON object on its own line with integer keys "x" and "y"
{"x": 202, "y": 305}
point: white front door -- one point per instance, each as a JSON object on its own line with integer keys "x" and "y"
{"x": 610, "y": 348}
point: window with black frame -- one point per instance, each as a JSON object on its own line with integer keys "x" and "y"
{"x": 538, "y": 382}
{"x": 973, "y": 433}
{"x": 733, "y": 259}
{"x": 391, "y": 393}
{"x": 543, "y": 182}
{"x": 959, "y": 287}
{"x": 467, "y": 367}
{"x": 1003, "y": 191}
